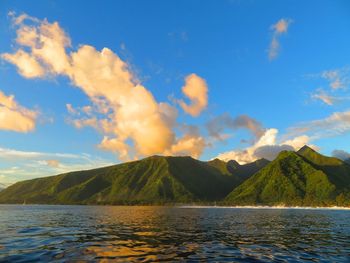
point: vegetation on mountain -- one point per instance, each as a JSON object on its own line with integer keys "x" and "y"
{"x": 241, "y": 172}
{"x": 302, "y": 178}
{"x": 153, "y": 180}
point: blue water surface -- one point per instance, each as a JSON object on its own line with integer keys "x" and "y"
{"x": 150, "y": 234}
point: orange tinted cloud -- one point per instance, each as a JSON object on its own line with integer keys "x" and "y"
{"x": 281, "y": 27}
{"x": 196, "y": 90}
{"x": 132, "y": 122}
{"x": 14, "y": 117}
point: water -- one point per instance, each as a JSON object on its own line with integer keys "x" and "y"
{"x": 148, "y": 234}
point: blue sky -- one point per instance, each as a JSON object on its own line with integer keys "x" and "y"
{"x": 257, "y": 103}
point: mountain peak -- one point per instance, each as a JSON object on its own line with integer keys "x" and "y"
{"x": 305, "y": 148}
{"x": 317, "y": 158}
{"x": 262, "y": 162}
{"x": 233, "y": 164}
{"x": 216, "y": 160}
{"x": 166, "y": 157}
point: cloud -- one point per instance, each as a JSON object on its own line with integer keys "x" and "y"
{"x": 130, "y": 119}
{"x": 132, "y": 111}
{"x": 342, "y": 155}
{"x": 338, "y": 81}
{"x": 17, "y": 165}
{"x": 188, "y": 145}
{"x": 217, "y": 125}
{"x": 70, "y": 108}
{"x": 11, "y": 154}
{"x": 14, "y": 117}
{"x": 191, "y": 144}
{"x": 337, "y": 78}
{"x": 324, "y": 97}
{"x": 46, "y": 43}
{"x": 266, "y": 147}
{"x": 281, "y": 27}
{"x": 53, "y": 163}
{"x": 27, "y": 65}
{"x": 270, "y": 152}
{"x": 115, "y": 145}
{"x": 336, "y": 124}
{"x": 196, "y": 90}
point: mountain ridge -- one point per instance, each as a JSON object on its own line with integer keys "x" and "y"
{"x": 155, "y": 179}
{"x": 301, "y": 178}
{"x": 2, "y": 186}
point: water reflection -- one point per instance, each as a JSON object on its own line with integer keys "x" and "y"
{"x": 148, "y": 234}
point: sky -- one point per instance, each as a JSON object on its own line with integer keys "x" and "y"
{"x": 85, "y": 84}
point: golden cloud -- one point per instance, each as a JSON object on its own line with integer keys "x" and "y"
{"x": 122, "y": 109}
{"x": 196, "y": 90}
{"x": 14, "y": 117}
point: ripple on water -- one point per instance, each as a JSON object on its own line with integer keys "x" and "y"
{"x": 148, "y": 234}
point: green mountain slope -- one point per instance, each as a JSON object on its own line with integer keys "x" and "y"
{"x": 221, "y": 165}
{"x": 338, "y": 170}
{"x": 303, "y": 178}
{"x": 247, "y": 170}
{"x": 151, "y": 180}
{"x": 240, "y": 172}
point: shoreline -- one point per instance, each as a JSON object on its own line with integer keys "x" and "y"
{"x": 182, "y": 206}
{"x": 273, "y": 207}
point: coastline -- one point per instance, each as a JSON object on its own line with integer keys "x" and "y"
{"x": 273, "y": 207}
{"x": 188, "y": 206}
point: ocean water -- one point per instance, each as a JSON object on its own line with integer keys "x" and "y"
{"x": 186, "y": 234}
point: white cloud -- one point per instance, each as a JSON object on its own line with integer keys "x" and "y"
{"x": 14, "y": 117}
{"x": 281, "y": 27}
{"x": 11, "y": 154}
{"x": 266, "y": 147}
{"x": 337, "y": 82}
{"x": 17, "y": 165}
{"x": 336, "y": 124}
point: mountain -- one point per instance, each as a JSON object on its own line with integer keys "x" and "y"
{"x": 247, "y": 170}
{"x": 241, "y": 172}
{"x": 153, "y": 180}
{"x": 337, "y": 170}
{"x": 303, "y": 178}
{"x": 2, "y": 186}
{"x": 220, "y": 165}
